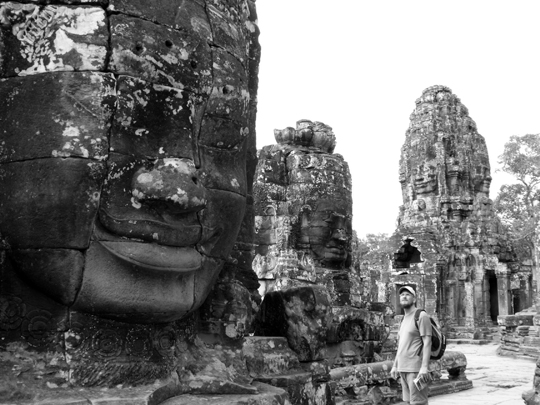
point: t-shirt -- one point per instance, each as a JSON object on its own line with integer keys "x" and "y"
{"x": 409, "y": 354}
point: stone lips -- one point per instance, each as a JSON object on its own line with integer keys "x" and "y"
{"x": 156, "y": 257}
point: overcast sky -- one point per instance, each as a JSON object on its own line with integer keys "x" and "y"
{"x": 359, "y": 66}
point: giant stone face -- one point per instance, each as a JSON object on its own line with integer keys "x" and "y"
{"x": 123, "y": 143}
{"x": 303, "y": 197}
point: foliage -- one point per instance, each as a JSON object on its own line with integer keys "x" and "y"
{"x": 373, "y": 248}
{"x": 521, "y": 158}
{"x": 518, "y": 205}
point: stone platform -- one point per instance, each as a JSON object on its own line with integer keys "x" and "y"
{"x": 278, "y": 379}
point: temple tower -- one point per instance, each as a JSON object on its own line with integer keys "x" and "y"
{"x": 454, "y": 248}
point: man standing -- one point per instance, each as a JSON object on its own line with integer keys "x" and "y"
{"x": 414, "y": 350}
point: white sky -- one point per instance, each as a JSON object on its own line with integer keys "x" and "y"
{"x": 359, "y": 66}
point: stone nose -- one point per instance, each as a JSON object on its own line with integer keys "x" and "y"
{"x": 339, "y": 234}
{"x": 172, "y": 182}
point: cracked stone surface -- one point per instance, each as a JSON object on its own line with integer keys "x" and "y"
{"x": 127, "y": 153}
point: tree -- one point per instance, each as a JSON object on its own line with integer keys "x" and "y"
{"x": 373, "y": 248}
{"x": 518, "y": 205}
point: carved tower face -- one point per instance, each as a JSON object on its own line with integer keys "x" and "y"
{"x": 328, "y": 230}
{"x": 123, "y": 150}
{"x": 303, "y": 190}
{"x": 444, "y": 160}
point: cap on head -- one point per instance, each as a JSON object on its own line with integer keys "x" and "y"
{"x": 407, "y": 288}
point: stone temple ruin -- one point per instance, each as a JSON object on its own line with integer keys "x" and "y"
{"x": 453, "y": 245}
{"x": 148, "y": 255}
{"x": 303, "y": 210}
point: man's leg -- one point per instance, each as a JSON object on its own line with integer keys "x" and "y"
{"x": 406, "y": 380}
{"x": 417, "y": 397}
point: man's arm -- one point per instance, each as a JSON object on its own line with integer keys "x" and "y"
{"x": 426, "y": 353}
{"x": 394, "y": 373}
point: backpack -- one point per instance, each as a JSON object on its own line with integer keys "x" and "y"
{"x": 438, "y": 340}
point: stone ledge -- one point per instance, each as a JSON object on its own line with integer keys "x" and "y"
{"x": 267, "y": 395}
{"x": 469, "y": 341}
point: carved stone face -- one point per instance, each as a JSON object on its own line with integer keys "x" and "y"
{"x": 425, "y": 180}
{"x": 482, "y": 179}
{"x": 122, "y": 195}
{"x": 329, "y": 231}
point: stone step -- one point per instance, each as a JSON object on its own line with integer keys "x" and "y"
{"x": 468, "y": 341}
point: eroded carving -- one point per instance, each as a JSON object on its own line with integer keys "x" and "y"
{"x": 127, "y": 154}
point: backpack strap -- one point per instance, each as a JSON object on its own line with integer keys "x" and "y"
{"x": 416, "y": 319}
{"x": 417, "y": 316}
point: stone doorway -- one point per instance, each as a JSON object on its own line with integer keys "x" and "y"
{"x": 493, "y": 297}
{"x": 516, "y": 307}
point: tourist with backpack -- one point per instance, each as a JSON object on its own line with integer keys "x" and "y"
{"x": 414, "y": 350}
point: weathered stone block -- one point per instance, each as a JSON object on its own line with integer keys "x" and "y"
{"x": 152, "y": 121}
{"x": 232, "y": 180}
{"x": 227, "y": 210}
{"x": 177, "y": 59}
{"x": 56, "y": 115}
{"x": 222, "y": 133}
{"x": 52, "y": 203}
{"x": 301, "y": 389}
{"x": 300, "y": 314}
{"x": 187, "y": 15}
{"x": 29, "y": 319}
{"x": 229, "y": 97}
{"x": 227, "y": 34}
{"x": 267, "y": 395}
{"x": 57, "y": 272}
{"x": 515, "y": 320}
{"x": 269, "y": 356}
{"x": 133, "y": 354}
{"x": 226, "y": 313}
{"x": 36, "y": 39}
{"x": 359, "y": 324}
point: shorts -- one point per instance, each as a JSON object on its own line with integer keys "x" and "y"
{"x": 410, "y": 392}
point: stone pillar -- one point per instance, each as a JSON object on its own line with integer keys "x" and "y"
{"x": 486, "y": 293}
{"x": 469, "y": 304}
{"x": 451, "y": 301}
{"x": 525, "y": 291}
{"x": 503, "y": 288}
{"x": 480, "y": 313}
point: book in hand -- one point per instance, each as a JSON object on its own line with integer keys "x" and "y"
{"x": 421, "y": 382}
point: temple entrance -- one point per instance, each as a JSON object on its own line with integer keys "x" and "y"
{"x": 515, "y": 301}
{"x": 493, "y": 297}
